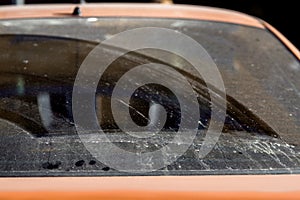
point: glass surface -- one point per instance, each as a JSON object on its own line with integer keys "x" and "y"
{"x": 39, "y": 60}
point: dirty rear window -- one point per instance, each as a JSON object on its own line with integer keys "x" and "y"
{"x": 39, "y": 62}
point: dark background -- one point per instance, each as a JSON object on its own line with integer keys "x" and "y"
{"x": 282, "y": 15}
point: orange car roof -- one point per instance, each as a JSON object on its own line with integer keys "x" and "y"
{"x": 130, "y": 10}
{"x": 153, "y": 10}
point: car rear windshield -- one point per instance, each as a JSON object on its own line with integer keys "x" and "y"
{"x": 40, "y": 62}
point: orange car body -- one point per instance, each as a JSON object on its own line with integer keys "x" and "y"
{"x": 149, "y": 187}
